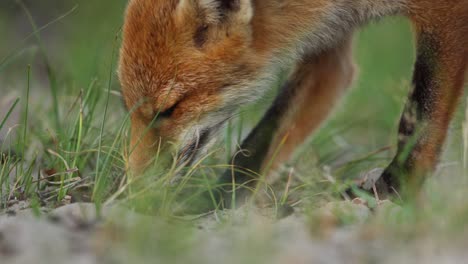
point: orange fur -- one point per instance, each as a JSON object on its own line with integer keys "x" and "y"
{"x": 186, "y": 66}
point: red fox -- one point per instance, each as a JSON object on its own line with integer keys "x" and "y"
{"x": 186, "y": 66}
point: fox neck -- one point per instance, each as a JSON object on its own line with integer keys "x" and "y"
{"x": 287, "y": 29}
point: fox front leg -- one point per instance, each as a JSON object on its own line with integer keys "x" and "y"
{"x": 304, "y": 101}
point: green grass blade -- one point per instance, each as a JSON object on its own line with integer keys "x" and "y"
{"x": 103, "y": 123}
{"x": 10, "y": 111}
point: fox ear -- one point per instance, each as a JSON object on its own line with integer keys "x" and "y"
{"x": 221, "y": 10}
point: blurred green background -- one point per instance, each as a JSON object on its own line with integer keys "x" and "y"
{"x": 79, "y": 45}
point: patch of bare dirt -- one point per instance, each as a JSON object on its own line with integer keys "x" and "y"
{"x": 77, "y": 234}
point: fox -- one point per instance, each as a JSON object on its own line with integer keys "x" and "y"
{"x": 187, "y": 66}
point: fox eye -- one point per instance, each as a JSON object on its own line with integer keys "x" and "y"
{"x": 167, "y": 113}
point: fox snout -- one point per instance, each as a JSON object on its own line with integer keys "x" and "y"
{"x": 147, "y": 144}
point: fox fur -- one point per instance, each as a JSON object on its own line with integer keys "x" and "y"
{"x": 186, "y": 66}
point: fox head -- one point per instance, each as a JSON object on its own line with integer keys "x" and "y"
{"x": 185, "y": 68}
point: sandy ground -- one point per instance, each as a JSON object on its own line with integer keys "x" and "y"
{"x": 74, "y": 234}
